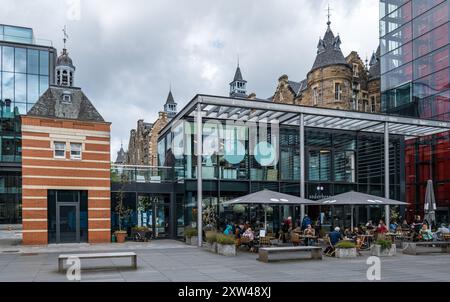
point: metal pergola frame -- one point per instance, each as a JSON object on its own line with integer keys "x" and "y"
{"x": 250, "y": 110}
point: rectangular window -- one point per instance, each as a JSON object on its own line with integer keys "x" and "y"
{"x": 337, "y": 91}
{"x": 60, "y": 150}
{"x": 373, "y": 105}
{"x": 75, "y": 150}
{"x": 355, "y": 70}
{"x": 315, "y": 96}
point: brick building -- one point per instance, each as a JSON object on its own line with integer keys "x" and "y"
{"x": 65, "y": 166}
{"x": 335, "y": 81}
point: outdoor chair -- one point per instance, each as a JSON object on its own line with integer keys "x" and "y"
{"x": 295, "y": 239}
{"x": 330, "y": 250}
{"x": 264, "y": 241}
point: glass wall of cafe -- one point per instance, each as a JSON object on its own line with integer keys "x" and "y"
{"x": 238, "y": 160}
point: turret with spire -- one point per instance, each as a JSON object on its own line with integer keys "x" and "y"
{"x": 170, "y": 107}
{"x": 64, "y": 69}
{"x": 121, "y": 156}
{"x": 238, "y": 85}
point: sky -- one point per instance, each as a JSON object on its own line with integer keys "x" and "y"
{"x": 129, "y": 53}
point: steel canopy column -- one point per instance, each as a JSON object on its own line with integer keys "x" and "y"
{"x": 302, "y": 164}
{"x": 199, "y": 174}
{"x": 386, "y": 171}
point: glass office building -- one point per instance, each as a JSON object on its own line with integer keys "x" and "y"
{"x": 415, "y": 81}
{"x": 26, "y": 70}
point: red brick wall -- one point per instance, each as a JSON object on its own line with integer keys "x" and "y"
{"x": 42, "y": 172}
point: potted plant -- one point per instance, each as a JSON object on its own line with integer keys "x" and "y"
{"x": 191, "y": 235}
{"x": 226, "y": 245}
{"x": 122, "y": 212}
{"x": 384, "y": 248}
{"x": 211, "y": 241}
{"x": 346, "y": 249}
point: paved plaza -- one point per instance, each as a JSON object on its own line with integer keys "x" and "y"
{"x": 169, "y": 260}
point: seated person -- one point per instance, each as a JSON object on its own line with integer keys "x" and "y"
{"x": 309, "y": 231}
{"x": 228, "y": 230}
{"x": 426, "y": 233}
{"x": 369, "y": 225}
{"x": 393, "y": 227}
{"x": 334, "y": 237}
{"x": 405, "y": 226}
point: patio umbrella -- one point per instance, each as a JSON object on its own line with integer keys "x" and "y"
{"x": 353, "y": 198}
{"x": 268, "y": 197}
{"x": 430, "y": 203}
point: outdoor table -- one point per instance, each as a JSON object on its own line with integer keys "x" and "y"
{"x": 314, "y": 238}
{"x": 367, "y": 238}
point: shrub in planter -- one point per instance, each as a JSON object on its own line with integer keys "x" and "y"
{"x": 191, "y": 235}
{"x": 384, "y": 248}
{"x": 226, "y": 245}
{"x": 211, "y": 244}
{"x": 346, "y": 249}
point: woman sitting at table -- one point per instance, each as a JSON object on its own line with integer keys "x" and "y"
{"x": 250, "y": 237}
{"x": 381, "y": 230}
{"x": 309, "y": 231}
{"x": 393, "y": 227}
{"x": 425, "y": 233}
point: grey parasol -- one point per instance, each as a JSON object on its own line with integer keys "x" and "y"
{"x": 430, "y": 203}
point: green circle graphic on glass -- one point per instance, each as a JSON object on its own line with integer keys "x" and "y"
{"x": 234, "y": 151}
{"x": 265, "y": 154}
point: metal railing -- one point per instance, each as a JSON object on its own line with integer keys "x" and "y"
{"x": 146, "y": 174}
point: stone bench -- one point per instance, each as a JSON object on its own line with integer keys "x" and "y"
{"x": 410, "y": 248}
{"x": 265, "y": 252}
{"x": 131, "y": 255}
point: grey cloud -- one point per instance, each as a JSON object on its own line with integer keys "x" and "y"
{"x": 128, "y": 52}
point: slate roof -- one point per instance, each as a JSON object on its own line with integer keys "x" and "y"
{"x": 51, "y": 104}
{"x": 329, "y": 51}
{"x": 375, "y": 69}
{"x": 170, "y": 99}
{"x": 64, "y": 59}
{"x": 298, "y": 87}
{"x": 238, "y": 75}
{"x": 120, "y": 156}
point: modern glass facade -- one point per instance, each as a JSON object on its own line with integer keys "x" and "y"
{"x": 26, "y": 70}
{"x": 336, "y": 162}
{"x": 415, "y": 81}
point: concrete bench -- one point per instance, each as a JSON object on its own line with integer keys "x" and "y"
{"x": 265, "y": 252}
{"x": 410, "y": 248}
{"x": 131, "y": 255}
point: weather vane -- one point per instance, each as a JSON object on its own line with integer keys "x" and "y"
{"x": 329, "y": 14}
{"x": 65, "y": 35}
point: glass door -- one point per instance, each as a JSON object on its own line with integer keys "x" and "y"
{"x": 161, "y": 220}
{"x": 67, "y": 223}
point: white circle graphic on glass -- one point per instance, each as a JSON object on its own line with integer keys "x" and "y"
{"x": 234, "y": 151}
{"x": 265, "y": 154}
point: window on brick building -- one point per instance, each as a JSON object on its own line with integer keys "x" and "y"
{"x": 75, "y": 151}
{"x": 60, "y": 150}
{"x": 337, "y": 91}
{"x": 373, "y": 104}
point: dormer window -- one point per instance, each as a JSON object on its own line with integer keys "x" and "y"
{"x": 355, "y": 70}
{"x": 67, "y": 97}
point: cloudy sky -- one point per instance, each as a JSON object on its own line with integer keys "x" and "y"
{"x": 127, "y": 53}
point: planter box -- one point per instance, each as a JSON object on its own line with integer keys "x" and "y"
{"x": 194, "y": 240}
{"x": 377, "y": 251}
{"x": 187, "y": 240}
{"x": 211, "y": 247}
{"x": 226, "y": 249}
{"x": 346, "y": 253}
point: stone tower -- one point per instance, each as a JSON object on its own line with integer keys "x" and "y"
{"x": 329, "y": 80}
